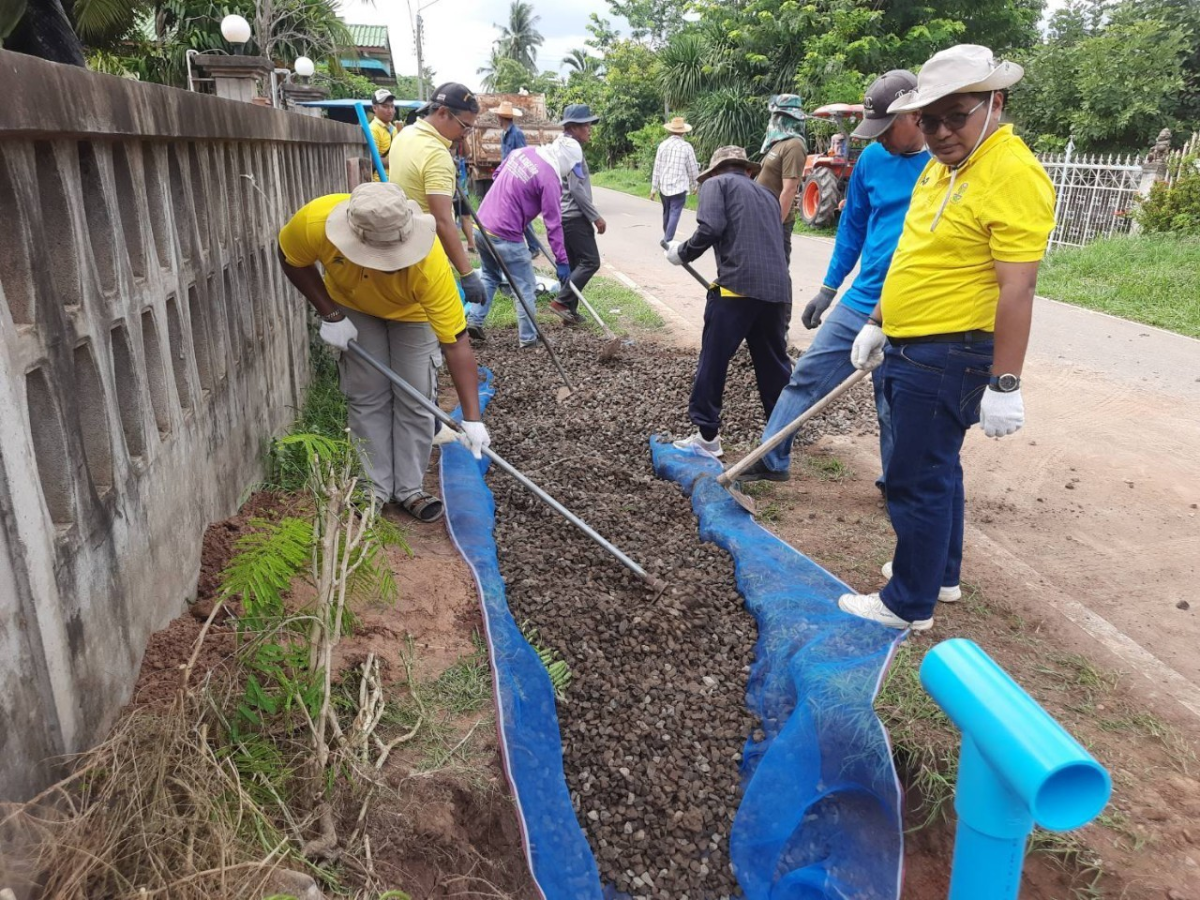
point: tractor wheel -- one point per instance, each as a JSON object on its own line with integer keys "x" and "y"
{"x": 819, "y": 198}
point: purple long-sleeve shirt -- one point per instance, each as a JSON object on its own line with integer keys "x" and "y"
{"x": 525, "y": 187}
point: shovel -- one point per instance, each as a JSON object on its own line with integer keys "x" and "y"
{"x": 708, "y": 285}
{"x": 612, "y": 346}
{"x": 448, "y": 421}
{"x": 530, "y": 308}
{"x": 727, "y": 478}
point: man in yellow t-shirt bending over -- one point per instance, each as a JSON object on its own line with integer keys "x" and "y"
{"x": 952, "y": 323}
{"x": 387, "y": 285}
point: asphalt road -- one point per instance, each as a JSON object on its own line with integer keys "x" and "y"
{"x": 1089, "y": 513}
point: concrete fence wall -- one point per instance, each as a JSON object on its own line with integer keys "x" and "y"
{"x": 149, "y": 348}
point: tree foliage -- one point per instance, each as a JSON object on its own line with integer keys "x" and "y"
{"x": 519, "y": 38}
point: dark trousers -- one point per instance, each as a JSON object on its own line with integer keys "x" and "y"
{"x": 787, "y": 241}
{"x": 672, "y": 206}
{"x": 582, "y": 253}
{"x": 933, "y": 392}
{"x": 727, "y": 322}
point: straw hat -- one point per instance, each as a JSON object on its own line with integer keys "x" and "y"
{"x": 380, "y": 228}
{"x": 507, "y": 111}
{"x": 724, "y": 156}
{"x": 678, "y": 126}
{"x": 963, "y": 69}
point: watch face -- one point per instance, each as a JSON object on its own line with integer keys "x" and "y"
{"x": 1008, "y": 382}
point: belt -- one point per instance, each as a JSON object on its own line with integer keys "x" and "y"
{"x": 957, "y": 337}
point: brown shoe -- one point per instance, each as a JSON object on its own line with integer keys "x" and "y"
{"x": 564, "y": 312}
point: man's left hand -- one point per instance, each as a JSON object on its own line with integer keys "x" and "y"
{"x": 1001, "y": 412}
{"x": 601, "y": 226}
{"x": 672, "y": 253}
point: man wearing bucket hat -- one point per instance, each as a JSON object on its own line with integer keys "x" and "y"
{"x": 427, "y": 173}
{"x": 751, "y": 299}
{"x": 784, "y": 150}
{"x": 953, "y": 319}
{"x": 382, "y": 129}
{"x": 581, "y": 220}
{"x": 387, "y": 285}
{"x": 527, "y": 185}
{"x": 876, "y": 202}
{"x": 675, "y": 171}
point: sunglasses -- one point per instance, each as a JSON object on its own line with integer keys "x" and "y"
{"x": 953, "y": 121}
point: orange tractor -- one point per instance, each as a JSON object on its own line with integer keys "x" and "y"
{"x": 823, "y": 190}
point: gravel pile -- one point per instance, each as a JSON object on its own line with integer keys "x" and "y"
{"x": 654, "y": 720}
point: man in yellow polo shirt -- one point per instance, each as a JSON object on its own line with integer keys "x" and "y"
{"x": 422, "y": 165}
{"x": 382, "y": 129}
{"x": 953, "y": 320}
{"x": 387, "y": 285}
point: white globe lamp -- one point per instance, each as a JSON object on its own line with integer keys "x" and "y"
{"x": 236, "y": 30}
{"x": 304, "y": 67}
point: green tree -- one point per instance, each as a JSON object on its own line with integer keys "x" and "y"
{"x": 583, "y": 64}
{"x": 519, "y": 38}
{"x": 651, "y": 21}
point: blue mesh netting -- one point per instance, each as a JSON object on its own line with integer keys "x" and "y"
{"x": 820, "y": 815}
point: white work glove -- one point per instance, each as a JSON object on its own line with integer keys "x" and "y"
{"x": 1001, "y": 413}
{"x": 339, "y": 334}
{"x": 672, "y": 253}
{"x": 867, "y": 351}
{"x": 475, "y": 437}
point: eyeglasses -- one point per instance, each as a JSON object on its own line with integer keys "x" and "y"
{"x": 465, "y": 127}
{"x": 953, "y": 121}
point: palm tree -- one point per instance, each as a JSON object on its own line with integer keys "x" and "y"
{"x": 580, "y": 62}
{"x": 519, "y": 39}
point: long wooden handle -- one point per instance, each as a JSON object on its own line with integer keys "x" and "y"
{"x": 730, "y": 475}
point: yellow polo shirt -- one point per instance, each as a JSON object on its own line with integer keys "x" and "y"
{"x": 423, "y": 292}
{"x": 423, "y": 164}
{"x": 1001, "y": 210}
{"x": 382, "y": 135}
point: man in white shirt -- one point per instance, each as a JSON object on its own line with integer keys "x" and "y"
{"x": 675, "y": 172}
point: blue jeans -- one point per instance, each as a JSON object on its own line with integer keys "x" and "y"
{"x": 516, "y": 256}
{"x": 672, "y": 206}
{"x": 824, "y": 366}
{"x": 933, "y": 391}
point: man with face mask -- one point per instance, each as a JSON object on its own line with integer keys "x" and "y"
{"x": 953, "y": 320}
{"x": 784, "y": 151}
{"x": 876, "y": 202}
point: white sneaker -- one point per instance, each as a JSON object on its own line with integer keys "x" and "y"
{"x": 950, "y": 594}
{"x": 869, "y": 606}
{"x": 713, "y": 447}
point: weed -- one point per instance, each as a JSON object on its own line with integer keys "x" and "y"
{"x": 756, "y": 488}
{"x": 770, "y": 514}
{"x": 619, "y": 306}
{"x": 1068, "y": 852}
{"x": 828, "y": 468}
{"x": 466, "y": 686}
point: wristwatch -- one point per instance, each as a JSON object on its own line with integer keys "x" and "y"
{"x": 1005, "y": 384}
{"x": 336, "y": 316}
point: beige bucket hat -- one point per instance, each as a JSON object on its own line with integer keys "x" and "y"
{"x": 507, "y": 111}
{"x": 380, "y": 228}
{"x": 723, "y": 156}
{"x": 678, "y": 126}
{"x": 962, "y": 69}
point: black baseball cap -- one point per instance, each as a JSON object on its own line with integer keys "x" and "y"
{"x": 453, "y": 95}
{"x": 880, "y": 95}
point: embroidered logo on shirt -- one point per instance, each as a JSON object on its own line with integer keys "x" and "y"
{"x": 962, "y": 190}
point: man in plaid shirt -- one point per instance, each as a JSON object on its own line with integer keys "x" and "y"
{"x": 675, "y": 171}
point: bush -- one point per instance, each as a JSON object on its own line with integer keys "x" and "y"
{"x": 1173, "y": 208}
{"x": 645, "y": 145}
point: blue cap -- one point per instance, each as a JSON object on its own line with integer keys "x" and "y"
{"x": 578, "y": 114}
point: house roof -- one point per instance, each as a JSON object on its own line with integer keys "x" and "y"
{"x": 368, "y": 35}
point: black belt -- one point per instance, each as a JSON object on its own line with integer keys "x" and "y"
{"x": 958, "y": 337}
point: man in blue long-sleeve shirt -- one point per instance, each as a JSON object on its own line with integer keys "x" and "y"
{"x": 876, "y": 202}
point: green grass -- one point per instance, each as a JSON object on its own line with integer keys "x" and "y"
{"x": 1146, "y": 278}
{"x": 633, "y": 181}
{"x": 623, "y": 309}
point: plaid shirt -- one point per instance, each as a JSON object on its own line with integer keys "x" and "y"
{"x": 739, "y": 219}
{"x": 675, "y": 167}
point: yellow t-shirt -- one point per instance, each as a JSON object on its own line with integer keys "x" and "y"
{"x": 383, "y": 135}
{"x": 423, "y": 292}
{"x": 1001, "y": 210}
{"x": 423, "y": 165}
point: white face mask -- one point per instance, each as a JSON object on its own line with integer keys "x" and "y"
{"x": 954, "y": 168}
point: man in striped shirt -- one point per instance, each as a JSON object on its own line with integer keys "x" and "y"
{"x": 675, "y": 171}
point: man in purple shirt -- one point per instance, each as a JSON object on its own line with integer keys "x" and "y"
{"x": 528, "y": 184}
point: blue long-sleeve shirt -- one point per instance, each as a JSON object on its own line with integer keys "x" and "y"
{"x": 881, "y": 186}
{"x": 512, "y": 138}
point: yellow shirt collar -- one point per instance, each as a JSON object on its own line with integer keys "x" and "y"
{"x": 424, "y": 127}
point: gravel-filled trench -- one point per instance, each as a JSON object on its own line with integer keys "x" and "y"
{"x": 654, "y": 720}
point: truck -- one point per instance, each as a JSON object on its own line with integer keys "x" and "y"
{"x": 483, "y": 141}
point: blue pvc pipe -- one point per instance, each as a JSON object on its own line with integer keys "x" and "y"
{"x": 1017, "y": 767}
{"x": 360, "y": 110}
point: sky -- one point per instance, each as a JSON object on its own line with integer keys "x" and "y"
{"x": 459, "y": 33}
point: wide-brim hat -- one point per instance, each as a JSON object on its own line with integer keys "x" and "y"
{"x": 507, "y": 111}
{"x": 578, "y": 114}
{"x": 882, "y": 93}
{"x": 724, "y": 157}
{"x": 380, "y": 228}
{"x": 963, "y": 69}
{"x": 677, "y": 126}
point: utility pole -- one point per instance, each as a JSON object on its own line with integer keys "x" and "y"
{"x": 420, "y": 60}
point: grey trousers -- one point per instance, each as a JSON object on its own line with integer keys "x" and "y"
{"x": 393, "y": 433}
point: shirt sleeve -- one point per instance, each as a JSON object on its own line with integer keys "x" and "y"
{"x": 518, "y": 138}
{"x": 1019, "y": 216}
{"x": 295, "y": 239}
{"x": 658, "y": 154}
{"x": 852, "y": 228}
{"x": 552, "y": 216}
{"x": 710, "y": 221}
{"x": 794, "y": 155}
{"x": 440, "y": 174}
{"x": 693, "y": 167}
{"x": 436, "y": 290}
{"x": 577, "y": 184}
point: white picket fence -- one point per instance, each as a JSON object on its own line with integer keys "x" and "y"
{"x": 1095, "y": 195}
